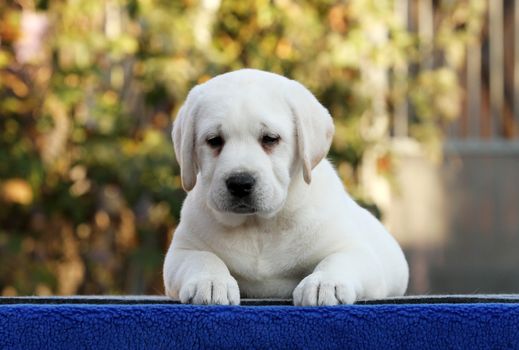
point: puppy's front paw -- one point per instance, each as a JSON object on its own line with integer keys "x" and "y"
{"x": 215, "y": 290}
{"x": 322, "y": 289}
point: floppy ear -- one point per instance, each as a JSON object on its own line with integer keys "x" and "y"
{"x": 183, "y": 135}
{"x": 313, "y": 124}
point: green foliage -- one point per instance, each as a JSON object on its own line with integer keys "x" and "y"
{"x": 90, "y": 192}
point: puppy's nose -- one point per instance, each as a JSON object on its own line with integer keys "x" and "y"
{"x": 240, "y": 185}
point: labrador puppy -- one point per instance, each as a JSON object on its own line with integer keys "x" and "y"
{"x": 266, "y": 215}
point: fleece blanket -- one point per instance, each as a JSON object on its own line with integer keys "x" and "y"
{"x": 156, "y": 323}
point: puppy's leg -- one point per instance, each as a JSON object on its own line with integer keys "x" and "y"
{"x": 199, "y": 277}
{"x": 342, "y": 278}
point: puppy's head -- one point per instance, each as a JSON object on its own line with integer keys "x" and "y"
{"x": 242, "y": 137}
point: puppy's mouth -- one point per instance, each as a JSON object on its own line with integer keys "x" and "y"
{"x": 242, "y": 208}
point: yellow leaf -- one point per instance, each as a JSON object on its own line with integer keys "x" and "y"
{"x": 17, "y": 191}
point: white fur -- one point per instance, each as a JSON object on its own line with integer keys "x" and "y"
{"x": 306, "y": 237}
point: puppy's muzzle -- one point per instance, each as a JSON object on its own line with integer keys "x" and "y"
{"x": 240, "y": 185}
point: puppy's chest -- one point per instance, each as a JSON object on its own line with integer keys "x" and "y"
{"x": 257, "y": 255}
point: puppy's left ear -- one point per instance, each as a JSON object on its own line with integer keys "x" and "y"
{"x": 183, "y": 135}
{"x": 314, "y": 126}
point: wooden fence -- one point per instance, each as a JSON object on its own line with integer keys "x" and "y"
{"x": 490, "y": 76}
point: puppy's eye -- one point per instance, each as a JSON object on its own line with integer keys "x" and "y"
{"x": 215, "y": 142}
{"x": 270, "y": 140}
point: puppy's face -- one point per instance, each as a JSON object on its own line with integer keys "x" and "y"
{"x": 242, "y": 137}
{"x": 245, "y": 150}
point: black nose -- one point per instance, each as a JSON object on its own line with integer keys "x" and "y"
{"x": 240, "y": 185}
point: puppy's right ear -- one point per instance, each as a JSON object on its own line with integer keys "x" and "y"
{"x": 183, "y": 135}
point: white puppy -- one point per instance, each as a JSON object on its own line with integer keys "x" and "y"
{"x": 266, "y": 215}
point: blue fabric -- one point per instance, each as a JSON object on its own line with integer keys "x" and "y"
{"x": 427, "y": 326}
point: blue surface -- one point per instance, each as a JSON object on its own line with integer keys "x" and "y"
{"x": 153, "y": 326}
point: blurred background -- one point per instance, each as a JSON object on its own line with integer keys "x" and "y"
{"x": 424, "y": 94}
